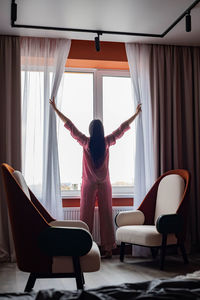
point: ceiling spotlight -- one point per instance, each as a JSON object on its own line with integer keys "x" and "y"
{"x": 13, "y": 12}
{"x": 188, "y": 22}
{"x": 97, "y": 42}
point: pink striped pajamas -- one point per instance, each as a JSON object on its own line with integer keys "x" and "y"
{"x": 96, "y": 185}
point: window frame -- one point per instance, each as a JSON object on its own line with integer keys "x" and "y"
{"x": 117, "y": 192}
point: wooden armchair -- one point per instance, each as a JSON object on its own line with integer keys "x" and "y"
{"x": 45, "y": 247}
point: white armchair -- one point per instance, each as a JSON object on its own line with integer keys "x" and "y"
{"x": 160, "y": 220}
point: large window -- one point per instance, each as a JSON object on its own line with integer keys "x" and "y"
{"x": 97, "y": 94}
{"x": 85, "y": 94}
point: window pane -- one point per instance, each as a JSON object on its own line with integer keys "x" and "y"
{"x": 77, "y": 104}
{"x": 118, "y": 107}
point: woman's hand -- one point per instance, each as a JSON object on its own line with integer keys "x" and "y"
{"x": 60, "y": 115}
{"x": 52, "y": 102}
{"x": 138, "y": 109}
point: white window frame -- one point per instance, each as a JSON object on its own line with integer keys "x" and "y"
{"x": 117, "y": 192}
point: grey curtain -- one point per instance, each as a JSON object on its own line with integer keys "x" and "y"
{"x": 175, "y": 91}
{"x": 10, "y": 129}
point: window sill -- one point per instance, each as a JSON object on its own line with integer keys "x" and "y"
{"x": 114, "y": 196}
{"x": 121, "y": 196}
{"x": 75, "y": 202}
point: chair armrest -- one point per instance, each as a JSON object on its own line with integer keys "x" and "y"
{"x": 70, "y": 223}
{"x": 171, "y": 223}
{"x": 65, "y": 241}
{"x": 124, "y": 218}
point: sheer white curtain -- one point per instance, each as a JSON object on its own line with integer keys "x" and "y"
{"x": 43, "y": 62}
{"x": 139, "y": 64}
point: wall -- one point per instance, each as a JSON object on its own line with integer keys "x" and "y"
{"x": 84, "y": 55}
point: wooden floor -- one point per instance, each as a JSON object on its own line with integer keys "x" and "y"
{"x": 112, "y": 272}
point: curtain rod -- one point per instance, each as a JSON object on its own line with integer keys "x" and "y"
{"x": 99, "y": 32}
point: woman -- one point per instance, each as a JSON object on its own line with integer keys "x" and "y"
{"x": 95, "y": 174}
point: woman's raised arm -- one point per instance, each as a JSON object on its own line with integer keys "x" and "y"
{"x": 61, "y": 116}
{"x": 75, "y": 133}
{"x": 138, "y": 110}
{"x": 119, "y": 132}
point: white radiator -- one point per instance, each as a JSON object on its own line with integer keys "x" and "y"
{"x": 73, "y": 213}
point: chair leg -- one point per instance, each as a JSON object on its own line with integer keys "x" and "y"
{"x": 30, "y": 283}
{"x": 78, "y": 274}
{"x": 122, "y": 251}
{"x": 83, "y": 279}
{"x": 154, "y": 252}
{"x": 163, "y": 250}
{"x": 183, "y": 252}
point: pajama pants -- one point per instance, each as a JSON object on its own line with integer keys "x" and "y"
{"x": 103, "y": 193}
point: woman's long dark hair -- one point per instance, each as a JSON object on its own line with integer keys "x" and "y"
{"x": 97, "y": 142}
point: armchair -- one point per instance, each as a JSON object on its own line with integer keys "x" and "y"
{"x": 161, "y": 219}
{"x": 45, "y": 247}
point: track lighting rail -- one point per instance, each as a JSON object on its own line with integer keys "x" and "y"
{"x": 185, "y": 14}
{"x": 99, "y": 32}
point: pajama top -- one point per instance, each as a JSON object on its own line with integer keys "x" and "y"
{"x": 89, "y": 172}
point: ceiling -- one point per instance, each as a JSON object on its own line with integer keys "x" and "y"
{"x": 146, "y": 16}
